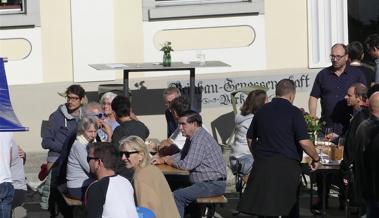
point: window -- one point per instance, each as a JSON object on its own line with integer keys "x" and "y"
{"x": 179, "y": 9}
{"x": 12, "y": 6}
{"x": 19, "y": 13}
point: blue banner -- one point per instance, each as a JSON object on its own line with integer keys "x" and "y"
{"x": 8, "y": 119}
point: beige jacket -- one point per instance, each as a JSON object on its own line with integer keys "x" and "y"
{"x": 152, "y": 191}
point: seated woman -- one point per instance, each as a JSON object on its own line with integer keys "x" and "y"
{"x": 78, "y": 172}
{"x": 106, "y": 104}
{"x": 150, "y": 185}
{"x": 241, "y": 158}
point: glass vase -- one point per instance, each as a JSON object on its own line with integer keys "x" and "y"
{"x": 166, "y": 59}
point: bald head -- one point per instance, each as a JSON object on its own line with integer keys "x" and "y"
{"x": 374, "y": 104}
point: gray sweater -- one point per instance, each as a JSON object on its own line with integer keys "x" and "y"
{"x": 77, "y": 166}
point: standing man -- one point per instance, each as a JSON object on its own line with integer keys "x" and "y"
{"x": 330, "y": 86}
{"x": 367, "y": 158}
{"x": 6, "y": 187}
{"x": 111, "y": 195}
{"x": 170, "y": 94}
{"x": 356, "y": 55}
{"x": 176, "y": 141}
{"x": 202, "y": 157}
{"x": 278, "y": 136}
{"x": 372, "y": 43}
{"x": 58, "y": 137}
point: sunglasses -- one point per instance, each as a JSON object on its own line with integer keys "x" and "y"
{"x": 92, "y": 158}
{"x": 99, "y": 115}
{"x": 127, "y": 153}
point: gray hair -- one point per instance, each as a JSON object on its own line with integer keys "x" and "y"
{"x": 84, "y": 124}
{"x": 171, "y": 90}
{"x": 90, "y": 107}
{"x": 109, "y": 95}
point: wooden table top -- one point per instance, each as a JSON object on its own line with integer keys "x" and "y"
{"x": 169, "y": 170}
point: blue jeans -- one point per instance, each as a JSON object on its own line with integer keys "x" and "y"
{"x": 241, "y": 165}
{"x": 183, "y": 197}
{"x": 6, "y": 197}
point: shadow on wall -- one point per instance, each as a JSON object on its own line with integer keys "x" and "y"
{"x": 223, "y": 126}
{"x": 144, "y": 101}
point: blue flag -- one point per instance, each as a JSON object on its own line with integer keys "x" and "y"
{"x": 8, "y": 119}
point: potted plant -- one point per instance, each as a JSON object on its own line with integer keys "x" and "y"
{"x": 166, "y": 48}
{"x": 314, "y": 125}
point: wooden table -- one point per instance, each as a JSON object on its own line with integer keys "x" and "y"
{"x": 145, "y": 67}
{"x": 169, "y": 170}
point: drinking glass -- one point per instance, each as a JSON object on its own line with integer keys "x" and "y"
{"x": 329, "y": 133}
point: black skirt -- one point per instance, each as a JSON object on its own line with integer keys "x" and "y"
{"x": 271, "y": 189}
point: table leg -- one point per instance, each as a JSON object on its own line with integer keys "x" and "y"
{"x": 324, "y": 175}
{"x": 311, "y": 191}
{"x": 192, "y": 88}
{"x": 126, "y": 83}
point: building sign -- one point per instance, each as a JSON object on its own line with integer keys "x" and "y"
{"x": 217, "y": 92}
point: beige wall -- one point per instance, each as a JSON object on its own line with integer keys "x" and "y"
{"x": 286, "y": 37}
{"x": 286, "y": 34}
{"x": 56, "y": 40}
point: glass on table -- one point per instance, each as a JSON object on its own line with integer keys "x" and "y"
{"x": 329, "y": 132}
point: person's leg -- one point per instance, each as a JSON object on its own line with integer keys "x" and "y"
{"x": 76, "y": 193}
{"x": 6, "y": 197}
{"x": 18, "y": 198}
{"x": 44, "y": 190}
{"x": 183, "y": 197}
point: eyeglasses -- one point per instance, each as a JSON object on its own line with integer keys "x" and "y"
{"x": 337, "y": 57}
{"x": 72, "y": 98}
{"x": 127, "y": 153}
{"x": 92, "y": 158}
{"x": 99, "y": 115}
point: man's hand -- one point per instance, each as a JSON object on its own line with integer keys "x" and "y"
{"x": 314, "y": 165}
{"x": 331, "y": 136}
{"x": 106, "y": 128}
{"x": 165, "y": 143}
{"x": 156, "y": 160}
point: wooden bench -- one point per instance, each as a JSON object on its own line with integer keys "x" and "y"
{"x": 69, "y": 200}
{"x": 76, "y": 205}
{"x": 211, "y": 202}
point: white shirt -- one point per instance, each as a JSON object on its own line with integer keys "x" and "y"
{"x": 5, "y": 156}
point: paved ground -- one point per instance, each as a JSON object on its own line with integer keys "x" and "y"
{"x": 31, "y": 208}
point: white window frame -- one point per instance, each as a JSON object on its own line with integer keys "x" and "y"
{"x": 179, "y": 9}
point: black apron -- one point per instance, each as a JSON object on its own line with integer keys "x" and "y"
{"x": 272, "y": 186}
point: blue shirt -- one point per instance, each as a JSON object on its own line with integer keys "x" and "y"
{"x": 331, "y": 89}
{"x": 276, "y": 130}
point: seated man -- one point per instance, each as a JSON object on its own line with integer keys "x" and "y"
{"x": 111, "y": 195}
{"x": 129, "y": 125}
{"x": 176, "y": 140}
{"x": 170, "y": 94}
{"x": 202, "y": 156}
